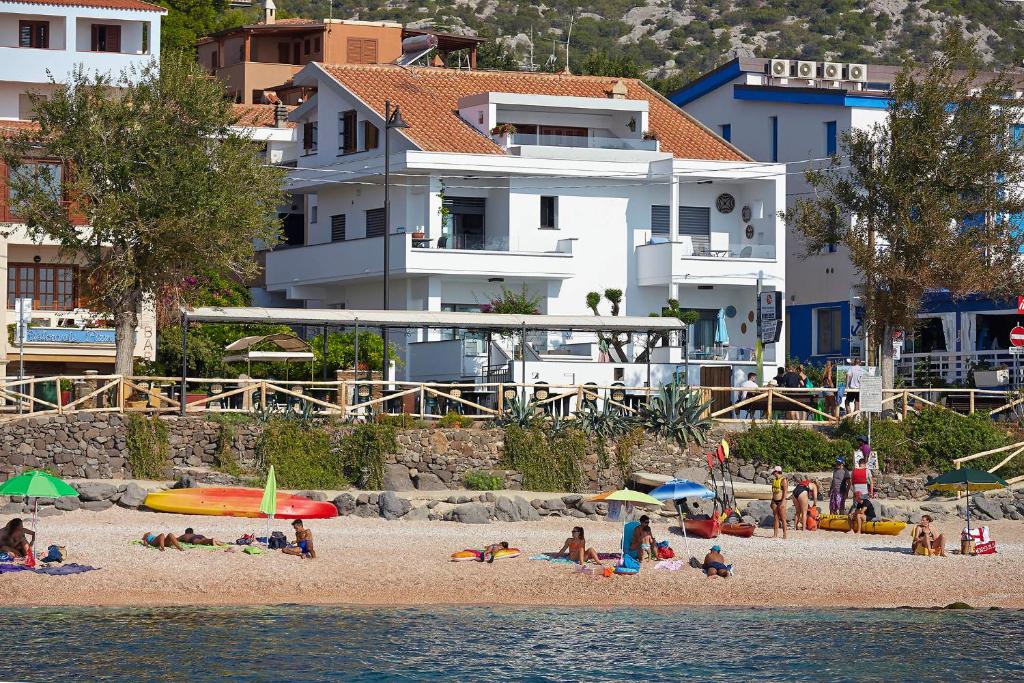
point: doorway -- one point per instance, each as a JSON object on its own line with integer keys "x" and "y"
{"x": 717, "y": 376}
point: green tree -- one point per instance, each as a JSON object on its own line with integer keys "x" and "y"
{"x": 925, "y": 200}
{"x": 615, "y": 340}
{"x": 189, "y": 20}
{"x": 602, "y": 63}
{"x": 167, "y": 188}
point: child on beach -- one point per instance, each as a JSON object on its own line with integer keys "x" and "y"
{"x": 303, "y": 542}
{"x": 12, "y": 538}
{"x": 160, "y": 541}
{"x": 576, "y": 545}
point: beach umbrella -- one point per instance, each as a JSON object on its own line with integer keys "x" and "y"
{"x": 963, "y": 480}
{"x": 682, "y": 488}
{"x": 625, "y": 496}
{"x": 268, "y": 504}
{"x": 37, "y": 484}
{"x": 721, "y": 331}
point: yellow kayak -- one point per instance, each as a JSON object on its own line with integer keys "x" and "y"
{"x": 882, "y": 527}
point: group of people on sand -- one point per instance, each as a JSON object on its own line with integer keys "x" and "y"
{"x": 303, "y": 546}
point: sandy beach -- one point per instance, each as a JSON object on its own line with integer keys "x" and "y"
{"x": 377, "y": 562}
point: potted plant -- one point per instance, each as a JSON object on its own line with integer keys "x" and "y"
{"x": 650, "y": 135}
{"x": 987, "y": 376}
{"x": 418, "y": 234}
{"x": 504, "y": 133}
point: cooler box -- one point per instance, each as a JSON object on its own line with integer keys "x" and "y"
{"x": 976, "y": 542}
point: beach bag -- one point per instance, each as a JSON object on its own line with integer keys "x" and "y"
{"x": 665, "y": 553}
{"x": 812, "y": 519}
{"x": 277, "y": 541}
{"x": 54, "y": 553}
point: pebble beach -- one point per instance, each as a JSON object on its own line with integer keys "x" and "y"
{"x": 374, "y": 562}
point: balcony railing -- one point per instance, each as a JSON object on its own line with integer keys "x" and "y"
{"x": 591, "y": 142}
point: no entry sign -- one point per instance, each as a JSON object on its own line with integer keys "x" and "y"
{"x": 1017, "y": 336}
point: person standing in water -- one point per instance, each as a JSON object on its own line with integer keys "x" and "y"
{"x": 778, "y": 504}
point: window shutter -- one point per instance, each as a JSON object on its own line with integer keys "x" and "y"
{"x": 695, "y": 221}
{"x": 375, "y": 222}
{"x": 371, "y": 135}
{"x": 466, "y": 205}
{"x": 369, "y": 51}
{"x": 113, "y": 38}
{"x": 338, "y": 228}
{"x": 349, "y": 141}
{"x": 353, "y": 50}
{"x": 307, "y": 135}
{"x": 95, "y": 37}
{"x": 660, "y": 223}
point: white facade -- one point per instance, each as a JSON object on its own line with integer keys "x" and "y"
{"x": 597, "y": 202}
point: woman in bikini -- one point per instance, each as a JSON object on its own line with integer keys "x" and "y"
{"x": 161, "y": 541}
{"x": 576, "y": 548}
{"x": 801, "y": 503}
{"x": 778, "y": 503}
{"x": 925, "y": 539}
{"x": 13, "y": 540}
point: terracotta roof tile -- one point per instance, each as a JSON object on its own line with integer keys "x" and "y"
{"x": 257, "y": 115}
{"x": 137, "y": 5}
{"x": 292, "y": 21}
{"x": 11, "y": 127}
{"x": 429, "y": 98}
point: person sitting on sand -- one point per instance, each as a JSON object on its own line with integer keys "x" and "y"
{"x": 643, "y": 540}
{"x": 12, "y": 538}
{"x": 577, "y": 548}
{"x": 925, "y": 541}
{"x": 192, "y": 538}
{"x": 303, "y": 542}
{"x": 863, "y": 511}
{"x": 159, "y": 541}
{"x": 714, "y": 563}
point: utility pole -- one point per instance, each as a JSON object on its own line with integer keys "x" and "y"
{"x": 758, "y": 344}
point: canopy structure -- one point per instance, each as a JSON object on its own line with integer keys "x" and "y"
{"x": 289, "y": 348}
{"x": 431, "y": 319}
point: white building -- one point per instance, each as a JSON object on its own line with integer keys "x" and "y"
{"x": 795, "y": 112}
{"x": 39, "y": 40}
{"x": 603, "y": 184}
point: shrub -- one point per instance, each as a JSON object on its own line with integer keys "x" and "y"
{"x": 941, "y": 435}
{"x": 403, "y": 421}
{"x": 364, "y": 453}
{"x": 896, "y": 452}
{"x": 795, "y": 448}
{"x": 478, "y": 480}
{"x": 301, "y": 455}
{"x": 625, "y": 448}
{"x": 677, "y": 414}
{"x": 148, "y": 448}
{"x": 226, "y": 460}
{"x": 453, "y": 419}
{"x": 547, "y": 461}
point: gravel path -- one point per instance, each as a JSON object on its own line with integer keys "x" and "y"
{"x": 375, "y": 562}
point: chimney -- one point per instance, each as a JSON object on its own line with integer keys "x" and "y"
{"x": 280, "y": 115}
{"x": 618, "y": 90}
{"x": 269, "y": 12}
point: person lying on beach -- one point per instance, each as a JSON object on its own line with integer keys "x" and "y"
{"x": 489, "y": 551}
{"x": 925, "y": 541}
{"x": 577, "y": 548}
{"x": 12, "y": 538}
{"x": 863, "y": 511}
{"x": 303, "y": 542}
{"x": 643, "y": 540}
{"x": 160, "y": 541}
{"x": 192, "y": 538}
{"x": 714, "y": 563}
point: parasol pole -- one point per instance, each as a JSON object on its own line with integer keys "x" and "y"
{"x": 968, "y": 510}
{"x": 682, "y": 526}
{"x": 35, "y": 511}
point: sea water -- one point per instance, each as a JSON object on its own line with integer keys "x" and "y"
{"x": 294, "y": 643}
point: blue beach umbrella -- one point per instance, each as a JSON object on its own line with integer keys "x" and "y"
{"x": 682, "y": 488}
{"x": 721, "y": 332}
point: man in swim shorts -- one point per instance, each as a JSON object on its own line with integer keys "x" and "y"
{"x": 192, "y": 538}
{"x": 303, "y": 542}
{"x": 714, "y": 563}
{"x": 643, "y": 542}
{"x": 160, "y": 541}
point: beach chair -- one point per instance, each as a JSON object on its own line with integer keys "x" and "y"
{"x": 630, "y": 563}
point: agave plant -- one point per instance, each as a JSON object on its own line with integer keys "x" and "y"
{"x": 608, "y": 422}
{"x": 677, "y": 414}
{"x": 520, "y": 413}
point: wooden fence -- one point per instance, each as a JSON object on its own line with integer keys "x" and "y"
{"x": 482, "y": 401}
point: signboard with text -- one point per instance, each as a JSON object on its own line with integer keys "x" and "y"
{"x": 871, "y": 394}
{"x": 769, "y": 307}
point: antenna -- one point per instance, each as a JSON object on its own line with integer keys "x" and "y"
{"x": 568, "y": 39}
{"x": 531, "y": 67}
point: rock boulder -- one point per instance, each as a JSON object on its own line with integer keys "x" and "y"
{"x": 471, "y": 513}
{"x": 133, "y": 496}
{"x": 95, "y": 490}
{"x": 391, "y": 506}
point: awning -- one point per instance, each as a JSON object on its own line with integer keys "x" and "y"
{"x": 289, "y": 348}
{"x": 431, "y": 319}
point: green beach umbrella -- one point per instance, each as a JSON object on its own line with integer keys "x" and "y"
{"x": 963, "y": 480}
{"x": 268, "y": 505}
{"x": 37, "y": 484}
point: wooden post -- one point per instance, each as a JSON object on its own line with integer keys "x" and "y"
{"x": 343, "y": 396}
{"x": 60, "y": 403}
{"x": 971, "y": 409}
{"x": 501, "y": 398}
{"x": 121, "y": 389}
{"x": 423, "y": 396}
{"x": 263, "y": 394}
{"x": 771, "y": 393}
{"x": 906, "y": 400}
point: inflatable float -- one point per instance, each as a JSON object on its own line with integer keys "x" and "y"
{"x": 236, "y": 502}
{"x": 881, "y": 527}
{"x": 472, "y": 555}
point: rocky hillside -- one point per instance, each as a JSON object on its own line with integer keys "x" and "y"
{"x": 686, "y": 37}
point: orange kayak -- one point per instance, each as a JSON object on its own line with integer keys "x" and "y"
{"x": 236, "y": 502}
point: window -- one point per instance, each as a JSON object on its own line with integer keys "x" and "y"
{"x": 47, "y": 175}
{"x": 106, "y": 38}
{"x": 316, "y": 44}
{"x": 660, "y": 220}
{"x": 51, "y": 288}
{"x": 214, "y": 60}
{"x": 34, "y": 34}
{"x": 774, "y": 151}
{"x": 347, "y": 131}
{"x": 338, "y": 228}
{"x": 26, "y": 110}
{"x": 830, "y": 138}
{"x": 448, "y": 333}
{"x": 283, "y": 49}
{"x": 375, "y": 222}
{"x": 307, "y": 46}
{"x": 549, "y": 213}
{"x": 309, "y": 134}
{"x": 361, "y": 51}
{"x": 241, "y": 52}
{"x": 695, "y": 223}
{"x": 258, "y": 96}
{"x": 830, "y": 331}
{"x": 702, "y": 333}
{"x": 726, "y": 132}
{"x": 371, "y": 136}
{"x": 314, "y": 214}
{"x": 145, "y": 38}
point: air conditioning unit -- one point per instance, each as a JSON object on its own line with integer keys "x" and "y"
{"x": 779, "y": 68}
{"x": 806, "y": 69}
{"x": 832, "y": 71}
{"x": 857, "y": 73}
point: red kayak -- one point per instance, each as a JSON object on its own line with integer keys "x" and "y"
{"x": 236, "y": 502}
{"x": 702, "y": 528}
{"x": 741, "y": 529}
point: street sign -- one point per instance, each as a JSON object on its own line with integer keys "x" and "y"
{"x": 1020, "y": 305}
{"x": 1016, "y": 350}
{"x": 769, "y": 307}
{"x": 871, "y": 394}
{"x": 1017, "y": 336}
{"x": 23, "y": 316}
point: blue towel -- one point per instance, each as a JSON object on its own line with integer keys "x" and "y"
{"x": 52, "y": 571}
{"x": 627, "y": 538}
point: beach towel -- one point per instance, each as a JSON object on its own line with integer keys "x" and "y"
{"x": 553, "y": 558}
{"x": 186, "y": 546}
{"x": 63, "y": 570}
{"x": 670, "y": 565}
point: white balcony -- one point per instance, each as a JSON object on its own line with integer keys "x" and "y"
{"x": 363, "y": 259}
{"x": 662, "y": 263}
